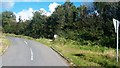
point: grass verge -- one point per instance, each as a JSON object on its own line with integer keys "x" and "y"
{"x": 4, "y": 43}
{"x": 86, "y": 55}
{"x": 81, "y": 55}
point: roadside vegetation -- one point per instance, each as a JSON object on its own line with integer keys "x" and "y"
{"x": 4, "y": 43}
{"x": 79, "y": 23}
{"x": 84, "y": 54}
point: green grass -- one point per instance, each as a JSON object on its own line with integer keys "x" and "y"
{"x": 20, "y": 36}
{"x": 85, "y": 55}
{"x": 81, "y": 55}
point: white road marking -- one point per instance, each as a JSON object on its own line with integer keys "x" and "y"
{"x": 25, "y": 42}
{"x": 31, "y": 54}
{"x": 30, "y": 50}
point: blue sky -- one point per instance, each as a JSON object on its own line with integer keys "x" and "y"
{"x": 19, "y": 6}
{"x": 25, "y": 9}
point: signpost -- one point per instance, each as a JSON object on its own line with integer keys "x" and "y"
{"x": 116, "y": 25}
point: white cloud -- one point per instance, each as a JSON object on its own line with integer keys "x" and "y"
{"x": 52, "y": 7}
{"x": 25, "y": 14}
{"x": 44, "y": 12}
{"x": 28, "y": 14}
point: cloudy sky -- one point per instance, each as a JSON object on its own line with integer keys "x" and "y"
{"x": 25, "y": 8}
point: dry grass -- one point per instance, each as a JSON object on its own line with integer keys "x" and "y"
{"x": 3, "y": 43}
{"x": 1, "y": 36}
{"x": 110, "y": 53}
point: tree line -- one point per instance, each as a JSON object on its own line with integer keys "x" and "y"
{"x": 71, "y": 22}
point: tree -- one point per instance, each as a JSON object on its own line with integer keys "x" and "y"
{"x": 71, "y": 22}
{"x": 36, "y": 26}
{"x": 0, "y": 20}
{"x": 8, "y": 21}
{"x": 108, "y": 11}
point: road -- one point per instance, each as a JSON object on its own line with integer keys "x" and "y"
{"x": 23, "y": 52}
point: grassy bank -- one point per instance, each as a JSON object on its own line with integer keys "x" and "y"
{"x": 81, "y": 55}
{"x": 4, "y": 43}
{"x": 85, "y": 55}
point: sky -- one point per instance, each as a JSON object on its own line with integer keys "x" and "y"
{"x": 18, "y": 6}
{"x": 25, "y": 8}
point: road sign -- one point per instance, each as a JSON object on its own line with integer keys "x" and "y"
{"x": 116, "y": 25}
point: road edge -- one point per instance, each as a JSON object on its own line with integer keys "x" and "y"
{"x": 70, "y": 63}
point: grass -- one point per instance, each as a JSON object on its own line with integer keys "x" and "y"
{"x": 84, "y": 55}
{"x": 4, "y": 42}
{"x": 20, "y": 36}
{"x": 81, "y": 55}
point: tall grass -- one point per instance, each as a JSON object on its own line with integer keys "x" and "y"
{"x": 88, "y": 54}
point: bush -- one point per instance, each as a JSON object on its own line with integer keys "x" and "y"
{"x": 108, "y": 42}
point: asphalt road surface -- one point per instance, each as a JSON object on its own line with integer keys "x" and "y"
{"x": 23, "y": 52}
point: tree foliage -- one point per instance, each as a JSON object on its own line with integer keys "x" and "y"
{"x": 71, "y": 22}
